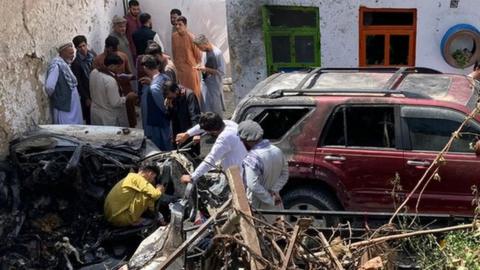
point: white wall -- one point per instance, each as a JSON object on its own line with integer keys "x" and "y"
{"x": 339, "y": 33}
{"x": 204, "y": 17}
{"x": 31, "y": 29}
{"x": 340, "y": 38}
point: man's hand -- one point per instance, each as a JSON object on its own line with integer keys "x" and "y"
{"x": 145, "y": 80}
{"x": 196, "y": 139}
{"x": 132, "y": 96}
{"x": 161, "y": 188}
{"x": 88, "y": 102}
{"x": 276, "y": 198}
{"x": 181, "y": 137}
{"x": 186, "y": 179}
{"x": 169, "y": 103}
{"x": 200, "y": 68}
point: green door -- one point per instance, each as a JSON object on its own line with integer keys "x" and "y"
{"x": 292, "y": 37}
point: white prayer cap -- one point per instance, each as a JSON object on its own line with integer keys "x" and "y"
{"x": 63, "y": 46}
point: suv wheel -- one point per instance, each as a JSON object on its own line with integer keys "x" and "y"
{"x": 307, "y": 198}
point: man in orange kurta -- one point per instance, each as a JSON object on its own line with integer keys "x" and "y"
{"x": 186, "y": 57}
{"x": 124, "y": 77}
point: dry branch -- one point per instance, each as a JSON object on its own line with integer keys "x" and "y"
{"x": 438, "y": 161}
{"x": 382, "y": 239}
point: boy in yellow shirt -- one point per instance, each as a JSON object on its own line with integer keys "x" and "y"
{"x": 132, "y": 196}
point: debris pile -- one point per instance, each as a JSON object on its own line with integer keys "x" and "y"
{"x": 235, "y": 238}
{"x": 51, "y": 216}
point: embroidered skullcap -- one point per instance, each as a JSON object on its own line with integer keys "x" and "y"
{"x": 250, "y": 131}
{"x": 200, "y": 39}
{"x": 63, "y": 46}
{"x": 118, "y": 19}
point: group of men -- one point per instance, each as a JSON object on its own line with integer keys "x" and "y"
{"x": 180, "y": 99}
{"x": 263, "y": 166}
{"x": 133, "y": 69}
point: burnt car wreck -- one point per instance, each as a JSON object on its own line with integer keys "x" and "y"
{"x": 52, "y": 191}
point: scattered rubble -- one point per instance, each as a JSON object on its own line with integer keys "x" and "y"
{"x": 52, "y": 193}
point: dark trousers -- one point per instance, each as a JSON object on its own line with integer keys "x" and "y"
{"x": 131, "y": 114}
{"x": 85, "y": 111}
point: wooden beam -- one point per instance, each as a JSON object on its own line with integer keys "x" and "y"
{"x": 329, "y": 250}
{"x": 301, "y": 225}
{"x": 171, "y": 258}
{"x": 240, "y": 203}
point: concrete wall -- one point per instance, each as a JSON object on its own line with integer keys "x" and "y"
{"x": 339, "y": 33}
{"x": 30, "y": 31}
{"x": 204, "y": 17}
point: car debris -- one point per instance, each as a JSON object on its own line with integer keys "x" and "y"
{"x": 51, "y": 214}
{"x": 53, "y": 186}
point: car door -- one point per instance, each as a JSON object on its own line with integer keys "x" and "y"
{"x": 359, "y": 147}
{"x": 427, "y": 130}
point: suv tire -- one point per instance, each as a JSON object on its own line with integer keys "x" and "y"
{"x": 308, "y": 198}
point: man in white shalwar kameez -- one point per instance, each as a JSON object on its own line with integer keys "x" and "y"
{"x": 265, "y": 169}
{"x": 108, "y": 105}
{"x": 61, "y": 87}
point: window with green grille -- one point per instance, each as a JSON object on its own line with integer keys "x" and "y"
{"x": 292, "y": 37}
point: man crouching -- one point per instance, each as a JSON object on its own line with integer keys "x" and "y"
{"x": 132, "y": 196}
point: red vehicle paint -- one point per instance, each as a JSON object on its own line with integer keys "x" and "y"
{"x": 349, "y": 132}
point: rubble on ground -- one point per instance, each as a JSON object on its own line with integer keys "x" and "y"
{"x": 51, "y": 215}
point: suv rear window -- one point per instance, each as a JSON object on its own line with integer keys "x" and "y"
{"x": 276, "y": 122}
{"x": 360, "y": 126}
{"x": 431, "y": 128}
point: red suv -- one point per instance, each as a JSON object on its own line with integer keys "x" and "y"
{"x": 348, "y": 132}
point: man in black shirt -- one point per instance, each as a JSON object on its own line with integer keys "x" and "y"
{"x": 183, "y": 109}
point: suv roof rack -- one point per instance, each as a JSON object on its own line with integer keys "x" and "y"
{"x": 317, "y": 92}
{"x": 397, "y": 73}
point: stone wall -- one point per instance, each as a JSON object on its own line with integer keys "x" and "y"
{"x": 30, "y": 31}
{"x": 339, "y": 33}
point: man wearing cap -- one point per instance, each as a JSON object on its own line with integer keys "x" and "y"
{"x": 213, "y": 70}
{"x": 119, "y": 30}
{"x": 61, "y": 87}
{"x": 227, "y": 150}
{"x": 265, "y": 169}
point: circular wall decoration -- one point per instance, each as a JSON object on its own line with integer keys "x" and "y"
{"x": 461, "y": 45}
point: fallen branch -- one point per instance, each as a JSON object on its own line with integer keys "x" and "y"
{"x": 438, "y": 161}
{"x": 302, "y": 224}
{"x": 410, "y": 234}
{"x": 330, "y": 252}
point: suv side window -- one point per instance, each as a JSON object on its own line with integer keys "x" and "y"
{"x": 276, "y": 122}
{"x": 431, "y": 128}
{"x": 361, "y": 126}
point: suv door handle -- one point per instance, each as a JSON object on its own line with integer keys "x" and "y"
{"x": 334, "y": 158}
{"x": 418, "y": 163}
